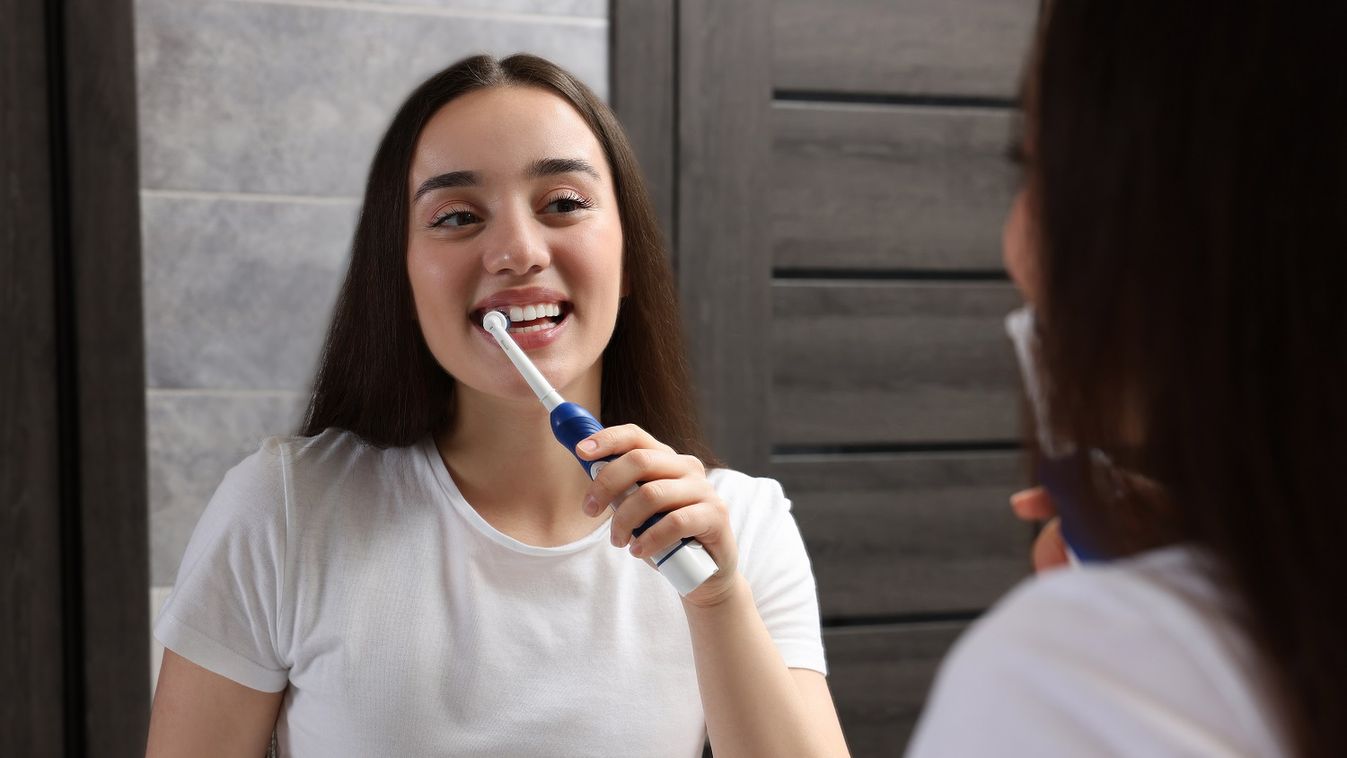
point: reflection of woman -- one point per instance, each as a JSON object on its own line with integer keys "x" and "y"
{"x": 1181, "y": 237}
{"x": 427, "y": 571}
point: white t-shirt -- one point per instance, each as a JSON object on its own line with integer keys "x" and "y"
{"x": 401, "y": 623}
{"x": 1137, "y": 657}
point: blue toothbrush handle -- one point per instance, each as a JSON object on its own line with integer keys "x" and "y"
{"x": 1061, "y": 478}
{"x": 686, "y": 564}
{"x": 571, "y": 423}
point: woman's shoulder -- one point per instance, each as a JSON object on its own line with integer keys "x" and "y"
{"x": 288, "y": 470}
{"x": 749, "y": 497}
{"x": 732, "y": 480}
{"x": 1139, "y": 656}
{"x": 1170, "y": 598}
{"x": 332, "y": 454}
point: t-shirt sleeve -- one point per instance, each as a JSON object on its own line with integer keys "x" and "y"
{"x": 772, "y": 558}
{"x": 1071, "y": 673}
{"x": 224, "y": 611}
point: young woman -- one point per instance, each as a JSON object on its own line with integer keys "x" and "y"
{"x": 426, "y": 571}
{"x": 1182, "y": 237}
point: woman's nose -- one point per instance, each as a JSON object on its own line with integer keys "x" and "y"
{"x": 517, "y": 248}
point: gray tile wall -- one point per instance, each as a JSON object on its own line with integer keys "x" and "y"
{"x": 258, "y": 119}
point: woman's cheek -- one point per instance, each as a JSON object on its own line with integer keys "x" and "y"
{"x": 1018, "y": 247}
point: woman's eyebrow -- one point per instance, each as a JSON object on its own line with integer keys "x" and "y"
{"x": 451, "y": 179}
{"x": 543, "y": 167}
{"x": 553, "y": 166}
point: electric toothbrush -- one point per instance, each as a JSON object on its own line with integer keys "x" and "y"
{"x": 686, "y": 564}
{"x": 1059, "y": 464}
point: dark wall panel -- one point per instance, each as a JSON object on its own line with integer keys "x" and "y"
{"x": 920, "y": 533}
{"x": 919, "y": 47}
{"x": 103, "y": 213}
{"x": 889, "y": 187}
{"x": 642, "y": 64}
{"x": 31, "y": 691}
{"x": 879, "y": 677}
{"x": 892, "y": 362}
{"x": 724, "y": 262}
{"x": 74, "y": 635}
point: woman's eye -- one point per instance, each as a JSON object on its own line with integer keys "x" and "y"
{"x": 567, "y": 204}
{"x": 454, "y": 218}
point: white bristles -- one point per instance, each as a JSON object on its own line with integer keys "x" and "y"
{"x": 495, "y": 320}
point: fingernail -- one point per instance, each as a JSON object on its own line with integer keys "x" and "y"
{"x": 636, "y": 549}
{"x": 589, "y": 446}
{"x": 591, "y": 505}
{"x": 1031, "y": 504}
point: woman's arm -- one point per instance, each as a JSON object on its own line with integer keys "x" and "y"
{"x": 200, "y": 713}
{"x": 754, "y": 704}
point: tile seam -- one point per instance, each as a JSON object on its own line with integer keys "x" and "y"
{"x": 400, "y": 9}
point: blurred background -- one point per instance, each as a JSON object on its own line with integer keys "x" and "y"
{"x": 830, "y": 174}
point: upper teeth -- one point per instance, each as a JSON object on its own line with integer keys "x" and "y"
{"x": 531, "y": 312}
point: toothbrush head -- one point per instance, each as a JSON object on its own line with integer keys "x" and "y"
{"x": 495, "y": 322}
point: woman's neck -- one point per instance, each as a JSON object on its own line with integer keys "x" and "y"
{"x": 509, "y": 467}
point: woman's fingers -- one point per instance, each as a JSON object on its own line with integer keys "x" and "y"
{"x": 672, "y": 484}
{"x": 657, "y": 496}
{"x": 706, "y": 521}
{"x": 1050, "y": 547}
{"x": 635, "y": 467}
{"x": 1032, "y": 505}
{"x": 616, "y": 440}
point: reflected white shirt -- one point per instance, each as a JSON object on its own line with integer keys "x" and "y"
{"x": 1137, "y": 657}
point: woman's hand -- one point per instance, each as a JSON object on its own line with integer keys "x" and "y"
{"x": 670, "y": 483}
{"x": 1049, "y": 548}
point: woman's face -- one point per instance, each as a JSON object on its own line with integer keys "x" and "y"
{"x": 513, "y": 209}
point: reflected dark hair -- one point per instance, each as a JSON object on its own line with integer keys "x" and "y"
{"x": 1189, "y": 182}
{"x": 378, "y": 379}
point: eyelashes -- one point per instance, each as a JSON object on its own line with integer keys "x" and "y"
{"x": 569, "y": 202}
{"x": 453, "y": 218}
{"x": 566, "y": 203}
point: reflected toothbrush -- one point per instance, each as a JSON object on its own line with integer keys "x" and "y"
{"x": 686, "y": 563}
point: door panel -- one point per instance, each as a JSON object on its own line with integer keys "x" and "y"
{"x": 913, "y": 47}
{"x": 879, "y": 676}
{"x": 837, "y": 187}
{"x": 908, "y": 533}
{"x": 891, "y": 362}
{"x": 888, "y": 187}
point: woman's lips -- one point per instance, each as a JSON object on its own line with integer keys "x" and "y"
{"x": 534, "y": 338}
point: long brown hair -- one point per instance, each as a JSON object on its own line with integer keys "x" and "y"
{"x": 1189, "y": 181}
{"x": 378, "y": 379}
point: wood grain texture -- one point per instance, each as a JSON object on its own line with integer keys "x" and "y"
{"x": 892, "y": 362}
{"x": 914, "y": 47}
{"x": 723, "y": 257}
{"x": 879, "y": 677}
{"x": 31, "y": 717}
{"x": 104, "y": 219}
{"x": 892, "y": 535}
{"x": 641, "y": 70}
{"x": 889, "y": 187}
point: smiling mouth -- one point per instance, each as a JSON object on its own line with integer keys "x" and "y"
{"x": 535, "y": 317}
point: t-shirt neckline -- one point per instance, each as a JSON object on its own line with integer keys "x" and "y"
{"x": 440, "y": 473}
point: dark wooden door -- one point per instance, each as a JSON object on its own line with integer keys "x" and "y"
{"x": 831, "y": 174}
{"x": 74, "y": 570}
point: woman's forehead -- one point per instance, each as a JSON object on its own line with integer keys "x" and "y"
{"x": 500, "y": 132}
